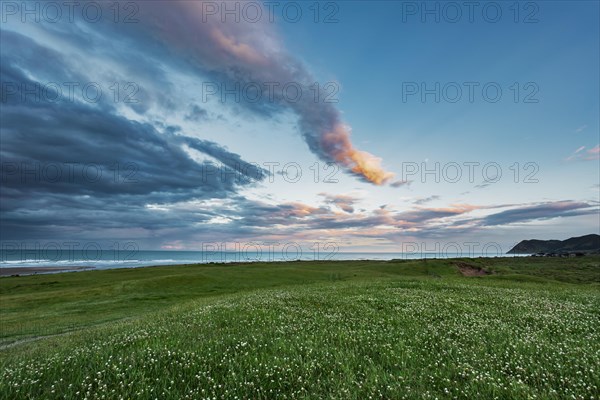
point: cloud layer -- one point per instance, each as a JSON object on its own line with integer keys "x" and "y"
{"x": 250, "y": 55}
{"x": 108, "y": 170}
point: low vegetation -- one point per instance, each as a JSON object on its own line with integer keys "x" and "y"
{"x": 524, "y": 328}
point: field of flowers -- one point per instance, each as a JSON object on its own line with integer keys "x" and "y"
{"x": 372, "y": 339}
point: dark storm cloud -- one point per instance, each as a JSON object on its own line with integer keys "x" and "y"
{"x": 131, "y": 158}
{"x": 179, "y": 35}
{"x": 70, "y": 165}
{"x": 119, "y": 176}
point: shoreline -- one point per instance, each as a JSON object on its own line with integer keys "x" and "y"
{"x": 45, "y": 270}
{"x": 24, "y": 271}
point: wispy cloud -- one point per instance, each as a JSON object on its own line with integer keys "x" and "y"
{"x": 252, "y": 53}
{"x": 581, "y": 128}
{"x": 593, "y": 153}
{"x": 587, "y": 155}
{"x": 400, "y": 183}
{"x": 423, "y": 200}
{"x": 541, "y": 211}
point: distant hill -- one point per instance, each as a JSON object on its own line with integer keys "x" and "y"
{"x": 584, "y": 244}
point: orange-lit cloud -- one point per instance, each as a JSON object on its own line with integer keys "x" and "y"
{"x": 236, "y": 48}
{"x": 360, "y": 162}
{"x": 252, "y": 53}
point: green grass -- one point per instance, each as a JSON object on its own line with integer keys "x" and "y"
{"x": 49, "y": 304}
{"x": 349, "y": 330}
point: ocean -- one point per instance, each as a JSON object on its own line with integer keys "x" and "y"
{"x": 105, "y": 259}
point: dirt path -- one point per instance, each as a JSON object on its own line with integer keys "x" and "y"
{"x": 471, "y": 270}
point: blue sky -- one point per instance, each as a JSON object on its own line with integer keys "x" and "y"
{"x": 559, "y": 54}
{"x": 370, "y": 58}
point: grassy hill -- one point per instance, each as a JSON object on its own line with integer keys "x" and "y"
{"x": 516, "y": 328}
{"x": 586, "y": 244}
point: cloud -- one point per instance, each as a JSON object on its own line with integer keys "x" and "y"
{"x": 246, "y": 54}
{"x": 421, "y": 215}
{"x": 76, "y": 166}
{"x": 593, "y": 153}
{"x": 196, "y": 114}
{"x": 181, "y": 37}
{"x": 152, "y": 187}
{"x": 588, "y": 155}
{"x": 344, "y": 202}
{"x": 581, "y": 128}
{"x": 424, "y": 200}
{"x": 539, "y": 212}
{"x": 400, "y": 183}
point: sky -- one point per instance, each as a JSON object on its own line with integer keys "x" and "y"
{"x": 368, "y": 126}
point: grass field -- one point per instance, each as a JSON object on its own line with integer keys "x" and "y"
{"x": 525, "y": 328}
